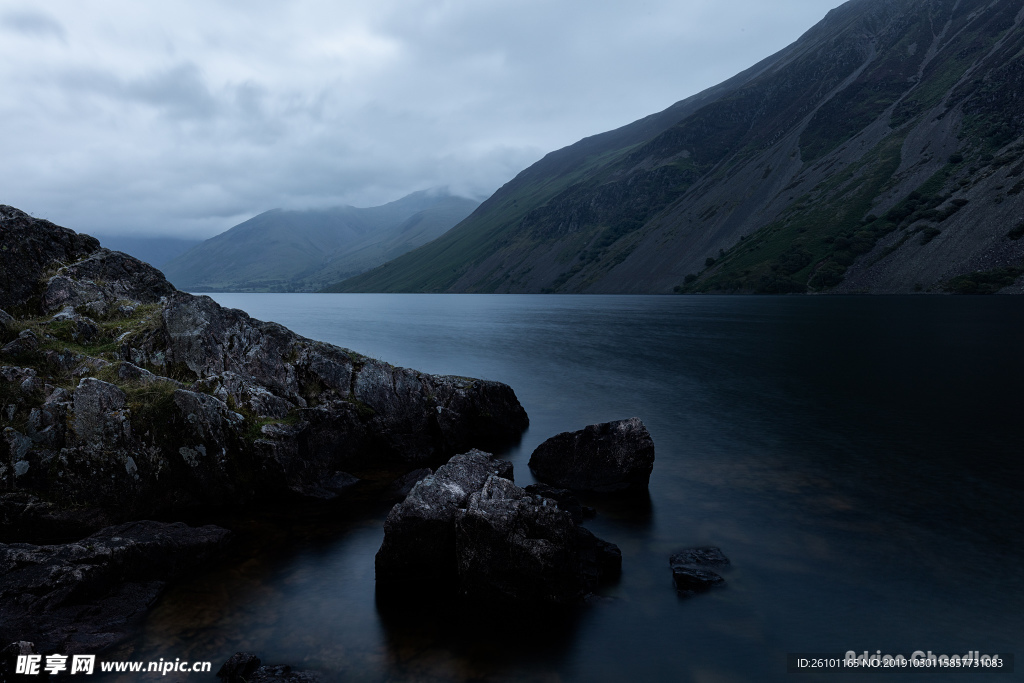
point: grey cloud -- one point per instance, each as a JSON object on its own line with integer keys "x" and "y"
{"x": 33, "y": 23}
{"x": 179, "y": 92}
{"x": 271, "y": 108}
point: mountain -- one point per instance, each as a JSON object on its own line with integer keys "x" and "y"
{"x": 880, "y": 152}
{"x": 305, "y": 250}
{"x": 156, "y": 251}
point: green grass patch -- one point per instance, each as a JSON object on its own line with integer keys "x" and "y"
{"x": 814, "y": 240}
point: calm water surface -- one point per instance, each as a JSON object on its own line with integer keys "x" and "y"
{"x": 858, "y": 459}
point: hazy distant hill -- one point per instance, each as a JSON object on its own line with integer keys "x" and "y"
{"x": 305, "y": 250}
{"x": 155, "y": 251}
{"x": 880, "y": 152}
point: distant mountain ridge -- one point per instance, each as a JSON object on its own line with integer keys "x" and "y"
{"x": 881, "y": 152}
{"x": 156, "y": 251}
{"x": 285, "y": 250}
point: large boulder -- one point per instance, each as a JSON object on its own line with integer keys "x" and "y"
{"x": 419, "y": 532}
{"x": 603, "y": 458}
{"x": 520, "y": 549}
{"x": 469, "y": 527}
{"x": 85, "y": 596}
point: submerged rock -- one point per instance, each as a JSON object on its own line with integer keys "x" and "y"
{"x": 85, "y": 596}
{"x": 690, "y": 569}
{"x": 604, "y": 458}
{"x": 470, "y": 527}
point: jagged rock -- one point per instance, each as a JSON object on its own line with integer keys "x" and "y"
{"x": 9, "y": 658}
{"x": 26, "y": 342}
{"x": 7, "y": 323}
{"x": 130, "y": 372}
{"x": 33, "y": 246}
{"x": 209, "y": 420}
{"x": 100, "y": 415}
{"x": 401, "y": 487}
{"x": 230, "y": 386}
{"x": 64, "y": 360}
{"x": 469, "y": 526}
{"x": 565, "y": 498}
{"x": 519, "y": 549}
{"x": 25, "y": 517}
{"x": 89, "y": 366}
{"x": 605, "y": 458}
{"x": 690, "y": 571}
{"x": 82, "y": 329}
{"x": 419, "y": 533}
{"x": 17, "y": 375}
{"x": 160, "y": 430}
{"x": 84, "y": 596}
{"x": 47, "y": 424}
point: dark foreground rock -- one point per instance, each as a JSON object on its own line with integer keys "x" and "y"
{"x": 122, "y": 398}
{"x": 9, "y": 660}
{"x": 402, "y": 487}
{"x": 516, "y": 548}
{"x": 83, "y": 597}
{"x": 245, "y": 667}
{"x": 604, "y": 458}
{"x": 566, "y": 500}
{"x": 691, "y": 571}
{"x": 470, "y": 527}
{"x": 419, "y": 533}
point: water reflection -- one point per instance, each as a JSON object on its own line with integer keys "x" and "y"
{"x": 858, "y": 460}
{"x": 430, "y": 635}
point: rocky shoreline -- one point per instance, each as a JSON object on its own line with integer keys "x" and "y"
{"x": 123, "y": 400}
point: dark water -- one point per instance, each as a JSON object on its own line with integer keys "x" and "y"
{"x": 858, "y": 459}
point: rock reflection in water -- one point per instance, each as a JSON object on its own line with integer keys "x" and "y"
{"x": 857, "y": 459}
{"x": 432, "y": 636}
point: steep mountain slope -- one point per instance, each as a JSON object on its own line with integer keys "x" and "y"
{"x": 305, "y": 250}
{"x": 880, "y": 152}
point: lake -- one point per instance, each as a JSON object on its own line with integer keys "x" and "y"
{"x": 859, "y": 460}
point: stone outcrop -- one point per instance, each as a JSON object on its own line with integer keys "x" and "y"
{"x": 9, "y": 660}
{"x": 34, "y": 247}
{"x": 566, "y": 500}
{"x": 123, "y": 398}
{"x": 470, "y": 527}
{"x": 516, "y": 548}
{"x": 691, "y": 569}
{"x": 419, "y": 533}
{"x": 605, "y": 458}
{"x": 82, "y": 597}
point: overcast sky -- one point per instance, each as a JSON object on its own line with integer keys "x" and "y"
{"x": 185, "y": 118}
